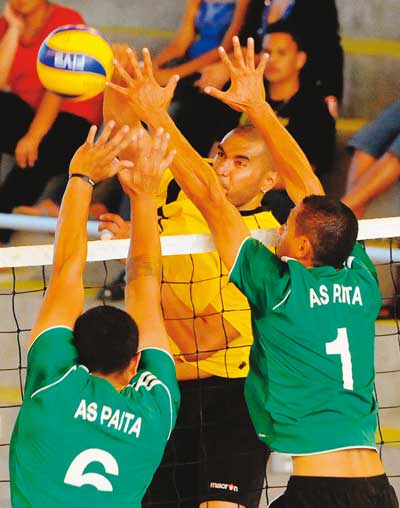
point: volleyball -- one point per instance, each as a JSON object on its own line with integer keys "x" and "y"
{"x": 75, "y": 62}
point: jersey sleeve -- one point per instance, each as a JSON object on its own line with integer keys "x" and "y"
{"x": 50, "y": 356}
{"x": 157, "y": 374}
{"x": 256, "y": 272}
{"x": 360, "y": 255}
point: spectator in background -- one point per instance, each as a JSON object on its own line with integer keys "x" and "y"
{"x": 206, "y": 24}
{"x": 375, "y": 165}
{"x": 42, "y": 130}
{"x": 315, "y": 22}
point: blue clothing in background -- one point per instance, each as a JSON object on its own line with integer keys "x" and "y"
{"x": 212, "y": 22}
{"x": 381, "y": 135}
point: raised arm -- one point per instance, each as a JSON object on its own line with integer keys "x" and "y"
{"x": 64, "y": 297}
{"x": 150, "y": 102}
{"x": 142, "y": 292}
{"x": 247, "y": 95}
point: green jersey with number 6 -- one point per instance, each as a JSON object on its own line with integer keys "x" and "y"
{"x": 311, "y": 383}
{"x": 77, "y": 441}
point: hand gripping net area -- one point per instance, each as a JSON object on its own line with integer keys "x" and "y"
{"x": 26, "y": 271}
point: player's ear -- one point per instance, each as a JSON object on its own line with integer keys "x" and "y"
{"x": 304, "y": 248}
{"x": 270, "y": 181}
{"x": 301, "y": 60}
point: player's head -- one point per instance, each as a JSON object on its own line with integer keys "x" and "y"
{"x": 106, "y": 339}
{"x": 286, "y": 56}
{"x": 320, "y": 231}
{"x": 244, "y": 166}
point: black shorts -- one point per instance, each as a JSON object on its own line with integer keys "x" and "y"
{"x": 213, "y": 452}
{"x": 317, "y": 492}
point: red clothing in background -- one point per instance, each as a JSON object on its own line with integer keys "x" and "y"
{"x": 23, "y": 79}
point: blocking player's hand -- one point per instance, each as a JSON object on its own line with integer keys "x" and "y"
{"x": 98, "y": 160}
{"x": 247, "y": 85}
{"x": 142, "y": 92}
{"x": 116, "y": 225}
{"x": 115, "y": 104}
{"x": 151, "y": 159}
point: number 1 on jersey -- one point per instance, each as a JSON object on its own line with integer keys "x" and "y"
{"x": 340, "y": 346}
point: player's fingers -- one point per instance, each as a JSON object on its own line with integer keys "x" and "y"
{"x": 214, "y": 92}
{"x": 226, "y": 60}
{"x": 262, "y": 63}
{"x": 91, "y": 135}
{"x": 126, "y": 77}
{"x": 157, "y": 140}
{"x": 171, "y": 85}
{"x": 164, "y": 142}
{"x": 250, "y": 53}
{"x": 147, "y": 63}
{"x": 105, "y": 134}
{"x": 120, "y": 89}
{"x": 134, "y": 61}
{"x": 168, "y": 159}
{"x": 121, "y": 139}
{"x": 237, "y": 51}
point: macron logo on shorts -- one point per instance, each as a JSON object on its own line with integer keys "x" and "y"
{"x": 224, "y": 486}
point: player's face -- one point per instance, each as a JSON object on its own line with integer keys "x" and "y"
{"x": 287, "y": 236}
{"x": 285, "y": 60}
{"x": 242, "y": 165}
{"x": 25, "y": 7}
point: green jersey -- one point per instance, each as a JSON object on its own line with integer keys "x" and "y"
{"x": 79, "y": 443}
{"x": 311, "y": 383}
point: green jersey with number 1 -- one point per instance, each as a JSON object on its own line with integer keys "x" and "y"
{"x": 311, "y": 383}
{"x": 77, "y": 442}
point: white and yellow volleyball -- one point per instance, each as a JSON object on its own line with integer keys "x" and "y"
{"x": 75, "y": 62}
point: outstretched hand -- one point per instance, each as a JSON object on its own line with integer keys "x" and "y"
{"x": 151, "y": 159}
{"x": 247, "y": 85}
{"x": 98, "y": 160}
{"x": 142, "y": 92}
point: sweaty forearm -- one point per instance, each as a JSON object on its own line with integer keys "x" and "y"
{"x": 70, "y": 246}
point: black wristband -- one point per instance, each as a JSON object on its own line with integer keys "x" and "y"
{"x": 84, "y": 177}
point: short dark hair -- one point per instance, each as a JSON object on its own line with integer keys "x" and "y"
{"x": 106, "y": 339}
{"x": 331, "y": 227}
{"x": 286, "y": 27}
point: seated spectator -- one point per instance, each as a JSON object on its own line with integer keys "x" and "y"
{"x": 323, "y": 68}
{"x": 375, "y": 165}
{"x": 43, "y": 131}
{"x": 206, "y": 24}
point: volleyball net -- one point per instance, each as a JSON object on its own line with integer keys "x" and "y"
{"x": 193, "y": 272}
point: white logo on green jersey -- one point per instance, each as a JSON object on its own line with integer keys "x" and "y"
{"x": 117, "y": 419}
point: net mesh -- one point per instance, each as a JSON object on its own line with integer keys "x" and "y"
{"x": 22, "y": 287}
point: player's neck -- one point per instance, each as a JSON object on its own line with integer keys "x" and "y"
{"x": 253, "y": 204}
{"x": 118, "y": 381}
{"x": 284, "y": 90}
